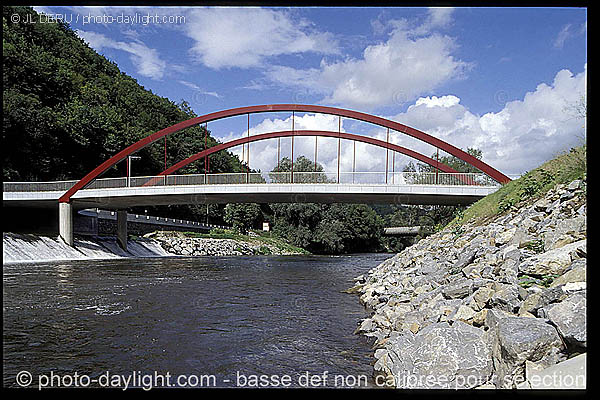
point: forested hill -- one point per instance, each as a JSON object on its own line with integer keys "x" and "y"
{"x": 67, "y": 109}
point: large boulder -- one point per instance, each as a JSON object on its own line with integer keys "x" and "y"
{"x": 518, "y": 339}
{"x": 569, "y": 317}
{"x": 439, "y": 356}
{"x": 553, "y": 262}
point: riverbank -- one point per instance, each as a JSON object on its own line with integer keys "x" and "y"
{"x": 222, "y": 243}
{"x": 496, "y": 305}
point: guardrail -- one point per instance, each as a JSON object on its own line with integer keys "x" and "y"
{"x": 356, "y": 178}
{"x": 149, "y": 219}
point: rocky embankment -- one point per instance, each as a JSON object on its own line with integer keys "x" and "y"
{"x": 500, "y": 305}
{"x": 179, "y": 244}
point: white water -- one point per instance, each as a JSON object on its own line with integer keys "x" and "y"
{"x": 27, "y": 248}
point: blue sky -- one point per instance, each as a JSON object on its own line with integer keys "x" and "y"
{"x": 503, "y": 80}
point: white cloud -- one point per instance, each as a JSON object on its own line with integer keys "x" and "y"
{"x": 146, "y": 60}
{"x": 567, "y": 32}
{"x": 440, "y": 17}
{"x": 436, "y": 18}
{"x": 562, "y": 36}
{"x": 43, "y": 10}
{"x": 434, "y": 101}
{"x": 247, "y": 37}
{"x": 198, "y": 89}
{"x": 410, "y": 63}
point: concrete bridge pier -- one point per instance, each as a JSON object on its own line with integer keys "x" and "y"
{"x": 65, "y": 222}
{"x": 122, "y": 229}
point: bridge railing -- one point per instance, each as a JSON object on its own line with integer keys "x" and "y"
{"x": 432, "y": 178}
{"x": 358, "y": 178}
{"x": 38, "y": 186}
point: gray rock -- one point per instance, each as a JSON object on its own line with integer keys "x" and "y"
{"x": 576, "y": 184}
{"x": 531, "y": 304}
{"x": 569, "y": 317}
{"x": 505, "y": 236}
{"x": 440, "y": 356}
{"x": 508, "y": 271}
{"x": 567, "y": 196}
{"x": 365, "y": 326}
{"x": 508, "y": 298}
{"x": 513, "y": 253}
{"x": 462, "y": 313}
{"x": 549, "y": 296}
{"x": 569, "y": 230}
{"x": 494, "y": 317}
{"x": 577, "y": 274}
{"x": 572, "y": 374}
{"x": 553, "y": 262}
{"x": 517, "y": 339}
{"x": 482, "y": 296}
{"x": 464, "y": 260}
{"x": 460, "y": 288}
{"x": 422, "y": 295}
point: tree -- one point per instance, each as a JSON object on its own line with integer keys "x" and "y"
{"x": 451, "y": 161}
{"x": 305, "y": 171}
{"x": 242, "y": 216}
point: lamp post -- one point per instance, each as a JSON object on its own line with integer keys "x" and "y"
{"x": 129, "y": 158}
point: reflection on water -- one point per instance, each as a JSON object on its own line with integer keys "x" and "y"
{"x": 220, "y": 316}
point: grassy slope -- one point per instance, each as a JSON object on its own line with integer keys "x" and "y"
{"x": 527, "y": 189}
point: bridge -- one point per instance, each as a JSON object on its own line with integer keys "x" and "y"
{"x": 445, "y": 186}
{"x": 406, "y": 230}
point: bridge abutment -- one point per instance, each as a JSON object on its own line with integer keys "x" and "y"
{"x": 65, "y": 222}
{"x": 122, "y": 229}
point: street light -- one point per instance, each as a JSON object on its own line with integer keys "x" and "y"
{"x": 129, "y": 158}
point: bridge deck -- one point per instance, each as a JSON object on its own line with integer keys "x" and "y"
{"x": 125, "y": 197}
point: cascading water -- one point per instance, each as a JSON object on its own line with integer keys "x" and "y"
{"x": 26, "y": 248}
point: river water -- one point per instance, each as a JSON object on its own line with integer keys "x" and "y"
{"x": 216, "y": 321}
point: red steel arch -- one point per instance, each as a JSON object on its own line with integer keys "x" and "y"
{"x": 448, "y": 148}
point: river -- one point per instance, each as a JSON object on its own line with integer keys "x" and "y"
{"x": 222, "y": 321}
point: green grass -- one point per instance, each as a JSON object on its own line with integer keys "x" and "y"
{"x": 526, "y": 281}
{"x": 218, "y": 234}
{"x": 527, "y": 189}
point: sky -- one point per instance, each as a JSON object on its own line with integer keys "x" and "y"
{"x": 506, "y": 81}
